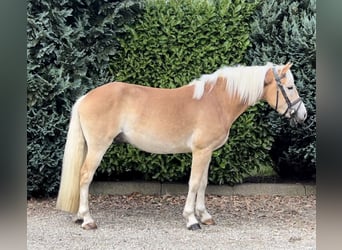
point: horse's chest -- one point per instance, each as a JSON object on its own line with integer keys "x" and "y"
{"x": 223, "y": 140}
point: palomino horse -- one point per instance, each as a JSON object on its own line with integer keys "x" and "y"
{"x": 194, "y": 118}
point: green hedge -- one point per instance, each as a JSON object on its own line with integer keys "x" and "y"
{"x": 173, "y": 43}
{"x": 69, "y": 46}
{"x": 285, "y": 31}
{"x": 74, "y": 46}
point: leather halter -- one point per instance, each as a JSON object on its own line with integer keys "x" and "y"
{"x": 293, "y": 111}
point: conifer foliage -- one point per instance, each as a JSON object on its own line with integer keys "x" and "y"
{"x": 285, "y": 31}
{"x": 69, "y": 46}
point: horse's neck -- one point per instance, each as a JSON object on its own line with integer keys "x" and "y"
{"x": 231, "y": 106}
{"x": 233, "y": 109}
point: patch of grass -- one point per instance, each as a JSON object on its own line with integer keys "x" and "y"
{"x": 264, "y": 174}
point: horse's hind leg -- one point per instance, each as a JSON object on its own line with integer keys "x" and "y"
{"x": 92, "y": 161}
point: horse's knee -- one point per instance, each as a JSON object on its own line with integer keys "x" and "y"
{"x": 194, "y": 186}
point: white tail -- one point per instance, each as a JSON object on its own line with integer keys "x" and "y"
{"x": 74, "y": 154}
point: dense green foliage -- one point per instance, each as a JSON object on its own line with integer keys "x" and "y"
{"x": 69, "y": 46}
{"x": 74, "y": 46}
{"x": 285, "y": 31}
{"x": 173, "y": 43}
{"x": 177, "y": 41}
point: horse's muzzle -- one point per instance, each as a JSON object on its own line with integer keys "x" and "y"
{"x": 297, "y": 114}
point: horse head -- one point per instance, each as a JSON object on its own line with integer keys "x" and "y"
{"x": 281, "y": 93}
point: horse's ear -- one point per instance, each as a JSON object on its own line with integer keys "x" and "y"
{"x": 268, "y": 77}
{"x": 286, "y": 68}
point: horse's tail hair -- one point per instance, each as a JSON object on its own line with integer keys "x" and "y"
{"x": 74, "y": 155}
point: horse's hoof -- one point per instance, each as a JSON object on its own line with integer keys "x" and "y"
{"x": 78, "y": 221}
{"x": 209, "y": 222}
{"x": 89, "y": 226}
{"x": 194, "y": 227}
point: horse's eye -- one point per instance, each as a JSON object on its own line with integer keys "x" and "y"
{"x": 290, "y": 87}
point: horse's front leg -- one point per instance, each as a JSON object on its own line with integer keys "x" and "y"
{"x": 201, "y": 210}
{"x": 200, "y": 163}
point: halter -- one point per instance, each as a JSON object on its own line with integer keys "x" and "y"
{"x": 293, "y": 111}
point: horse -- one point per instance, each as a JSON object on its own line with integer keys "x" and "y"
{"x": 195, "y": 118}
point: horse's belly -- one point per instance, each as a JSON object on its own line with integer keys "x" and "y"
{"x": 153, "y": 144}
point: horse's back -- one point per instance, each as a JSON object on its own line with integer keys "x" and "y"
{"x": 153, "y": 119}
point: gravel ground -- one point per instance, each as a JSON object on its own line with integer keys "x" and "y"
{"x": 155, "y": 222}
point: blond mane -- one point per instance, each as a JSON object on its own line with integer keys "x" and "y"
{"x": 245, "y": 81}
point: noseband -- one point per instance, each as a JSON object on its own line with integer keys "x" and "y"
{"x": 292, "y": 111}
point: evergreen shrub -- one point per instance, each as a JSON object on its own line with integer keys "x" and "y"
{"x": 285, "y": 31}
{"x": 173, "y": 43}
{"x": 69, "y": 45}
